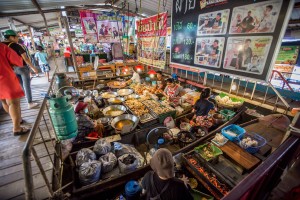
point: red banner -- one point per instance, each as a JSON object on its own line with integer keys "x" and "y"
{"x": 152, "y": 26}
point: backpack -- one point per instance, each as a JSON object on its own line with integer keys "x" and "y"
{"x": 157, "y": 194}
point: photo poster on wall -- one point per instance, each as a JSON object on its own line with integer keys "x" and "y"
{"x": 227, "y": 36}
{"x": 151, "y": 44}
{"x": 105, "y": 27}
{"x": 288, "y": 55}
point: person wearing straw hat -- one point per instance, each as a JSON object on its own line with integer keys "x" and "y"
{"x": 161, "y": 184}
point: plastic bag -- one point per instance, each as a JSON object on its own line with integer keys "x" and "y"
{"x": 66, "y": 147}
{"x": 102, "y": 147}
{"x": 109, "y": 161}
{"x": 89, "y": 172}
{"x": 121, "y": 149}
{"x": 127, "y": 163}
{"x": 84, "y": 155}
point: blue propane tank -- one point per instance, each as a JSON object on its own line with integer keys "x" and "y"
{"x": 132, "y": 190}
{"x": 63, "y": 118}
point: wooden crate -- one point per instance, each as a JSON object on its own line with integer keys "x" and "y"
{"x": 85, "y": 69}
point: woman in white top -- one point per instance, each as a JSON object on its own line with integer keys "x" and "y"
{"x": 135, "y": 77}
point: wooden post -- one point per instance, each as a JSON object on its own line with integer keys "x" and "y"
{"x": 66, "y": 25}
{"x": 31, "y": 36}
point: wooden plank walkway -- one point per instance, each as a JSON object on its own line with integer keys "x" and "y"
{"x": 12, "y": 184}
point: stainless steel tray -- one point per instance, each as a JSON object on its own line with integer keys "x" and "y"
{"x": 151, "y": 115}
{"x": 153, "y": 110}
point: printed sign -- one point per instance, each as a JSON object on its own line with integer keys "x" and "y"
{"x": 229, "y": 36}
{"x": 151, "y": 45}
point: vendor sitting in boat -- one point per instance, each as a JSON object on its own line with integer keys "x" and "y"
{"x": 161, "y": 83}
{"x": 203, "y": 105}
{"x": 161, "y": 182}
{"x": 135, "y": 77}
{"x": 172, "y": 90}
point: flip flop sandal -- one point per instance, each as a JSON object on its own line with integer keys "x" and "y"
{"x": 22, "y": 131}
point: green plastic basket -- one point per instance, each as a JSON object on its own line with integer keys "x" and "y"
{"x": 228, "y": 114}
{"x": 215, "y": 151}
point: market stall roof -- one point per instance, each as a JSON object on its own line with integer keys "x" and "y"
{"x": 25, "y": 13}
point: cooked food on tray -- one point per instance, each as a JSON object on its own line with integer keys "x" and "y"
{"x": 137, "y": 107}
{"x": 157, "y": 107}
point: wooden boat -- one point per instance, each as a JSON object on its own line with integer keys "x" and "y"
{"x": 138, "y": 139}
{"x": 236, "y": 165}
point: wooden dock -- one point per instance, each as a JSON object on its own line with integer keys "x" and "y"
{"x": 12, "y": 184}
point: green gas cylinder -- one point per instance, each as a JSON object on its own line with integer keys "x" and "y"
{"x": 61, "y": 80}
{"x": 63, "y": 118}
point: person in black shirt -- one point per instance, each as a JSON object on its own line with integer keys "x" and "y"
{"x": 23, "y": 73}
{"x": 203, "y": 105}
{"x": 161, "y": 184}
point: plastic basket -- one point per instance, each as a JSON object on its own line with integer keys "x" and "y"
{"x": 228, "y": 114}
{"x": 261, "y": 142}
{"x": 236, "y": 129}
{"x": 215, "y": 151}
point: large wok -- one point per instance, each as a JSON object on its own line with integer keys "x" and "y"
{"x": 133, "y": 118}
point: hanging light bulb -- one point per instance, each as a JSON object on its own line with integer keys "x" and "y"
{"x": 151, "y": 75}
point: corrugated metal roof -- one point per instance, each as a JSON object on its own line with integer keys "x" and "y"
{"x": 148, "y": 8}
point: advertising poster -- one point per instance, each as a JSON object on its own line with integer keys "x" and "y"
{"x": 89, "y": 25}
{"x": 209, "y": 51}
{"x": 129, "y": 35}
{"x": 109, "y": 31}
{"x": 255, "y": 18}
{"x": 234, "y": 37}
{"x": 288, "y": 55}
{"x": 247, "y": 54}
{"x": 151, "y": 45}
{"x": 214, "y": 23}
{"x": 108, "y": 27}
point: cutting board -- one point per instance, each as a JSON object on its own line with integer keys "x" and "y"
{"x": 240, "y": 156}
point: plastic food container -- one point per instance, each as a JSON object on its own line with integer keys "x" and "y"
{"x": 237, "y": 132}
{"x": 261, "y": 142}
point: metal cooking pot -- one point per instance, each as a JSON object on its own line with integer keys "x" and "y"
{"x": 133, "y": 118}
{"x": 125, "y": 92}
{"x": 104, "y": 120}
{"x": 112, "y": 100}
{"x": 103, "y": 95}
{"x": 218, "y": 118}
{"x": 114, "y": 107}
